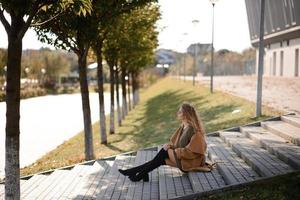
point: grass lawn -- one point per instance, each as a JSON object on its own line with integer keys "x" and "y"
{"x": 152, "y": 122}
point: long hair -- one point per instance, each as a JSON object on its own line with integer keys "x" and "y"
{"x": 190, "y": 114}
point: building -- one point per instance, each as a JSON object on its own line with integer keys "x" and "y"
{"x": 199, "y": 49}
{"x": 281, "y": 35}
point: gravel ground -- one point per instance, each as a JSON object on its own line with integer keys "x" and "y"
{"x": 278, "y": 92}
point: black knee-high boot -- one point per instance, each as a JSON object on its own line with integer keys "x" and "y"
{"x": 159, "y": 158}
{"x": 157, "y": 161}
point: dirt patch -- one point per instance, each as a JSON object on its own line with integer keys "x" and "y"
{"x": 278, "y": 92}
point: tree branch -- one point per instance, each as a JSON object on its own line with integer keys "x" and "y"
{"x": 44, "y": 22}
{"x": 4, "y": 21}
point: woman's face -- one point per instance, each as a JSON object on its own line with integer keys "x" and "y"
{"x": 180, "y": 114}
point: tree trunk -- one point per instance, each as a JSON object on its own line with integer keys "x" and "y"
{"x": 124, "y": 100}
{"x": 84, "y": 89}
{"x": 128, "y": 88}
{"x": 137, "y": 87}
{"x": 98, "y": 50}
{"x": 12, "y": 142}
{"x": 112, "y": 99}
{"x": 133, "y": 89}
{"x": 118, "y": 98}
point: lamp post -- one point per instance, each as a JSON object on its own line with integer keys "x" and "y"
{"x": 260, "y": 59}
{"x": 195, "y": 22}
{"x": 212, "y": 47}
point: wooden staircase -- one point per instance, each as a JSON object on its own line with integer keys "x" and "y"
{"x": 243, "y": 155}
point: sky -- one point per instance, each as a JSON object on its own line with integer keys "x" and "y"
{"x": 231, "y": 26}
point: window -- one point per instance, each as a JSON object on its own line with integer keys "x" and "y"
{"x": 281, "y": 62}
{"x": 297, "y": 62}
{"x": 274, "y": 63}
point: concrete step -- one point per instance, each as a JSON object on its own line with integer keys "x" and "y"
{"x": 283, "y": 129}
{"x": 114, "y": 185}
{"x": 283, "y": 149}
{"x": 144, "y": 190}
{"x": 292, "y": 119}
{"x": 233, "y": 169}
{"x": 90, "y": 181}
{"x": 51, "y": 181}
{"x": 264, "y": 163}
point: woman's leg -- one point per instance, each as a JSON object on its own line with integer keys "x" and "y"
{"x": 157, "y": 161}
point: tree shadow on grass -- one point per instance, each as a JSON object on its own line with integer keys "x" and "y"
{"x": 160, "y": 120}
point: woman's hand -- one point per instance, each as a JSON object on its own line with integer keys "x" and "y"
{"x": 166, "y": 146}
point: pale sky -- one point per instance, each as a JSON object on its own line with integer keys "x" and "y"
{"x": 231, "y": 25}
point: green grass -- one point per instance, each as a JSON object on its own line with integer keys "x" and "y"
{"x": 153, "y": 121}
{"x": 277, "y": 188}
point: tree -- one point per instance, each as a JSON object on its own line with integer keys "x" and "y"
{"x": 71, "y": 32}
{"x": 137, "y": 43}
{"x": 105, "y": 13}
{"x": 21, "y": 13}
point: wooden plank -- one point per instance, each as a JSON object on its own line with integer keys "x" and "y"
{"x": 49, "y": 182}
{"x": 276, "y": 145}
{"x": 144, "y": 190}
{"x": 283, "y": 129}
{"x": 205, "y": 181}
{"x": 132, "y": 186}
{"x": 113, "y": 179}
{"x": 90, "y": 179}
{"x": 231, "y": 167}
{"x": 173, "y": 183}
{"x": 91, "y": 182}
{"x": 69, "y": 183}
{"x": 154, "y": 190}
{"x": 31, "y": 184}
{"x": 292, "y": 119}
{"x": 259, "y": 159}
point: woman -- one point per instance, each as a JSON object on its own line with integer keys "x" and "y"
{"x": 186, "y": 149}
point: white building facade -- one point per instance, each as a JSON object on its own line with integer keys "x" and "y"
{"x": 281, "y": 37}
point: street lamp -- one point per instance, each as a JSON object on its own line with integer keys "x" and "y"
{"x": 195, "y": 22}
{"x": 212, "y": 47}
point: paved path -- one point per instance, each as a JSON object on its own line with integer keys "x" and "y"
{"x": 278, "y": 92}
{"x": 47, "y": 122}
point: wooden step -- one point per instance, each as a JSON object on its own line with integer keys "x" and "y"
{"x": 292, "y": 119}
{"x": 206, "y": 181}
{"x": 51, "y": 181}
{"x": 283, "y": 129}
{"x": 69, "y": 183}
{"x": 113, "y": 184}
{"x": 259, "y": 159}
{"x": 233, "y": 169}
{"x": 283, "y": 149}
{"x": 144, "y": 190}
{"x": 31, "y": 184}
{"x": 90, "y": 181}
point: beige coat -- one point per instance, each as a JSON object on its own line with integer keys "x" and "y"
{"x": 192, "y": 156}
